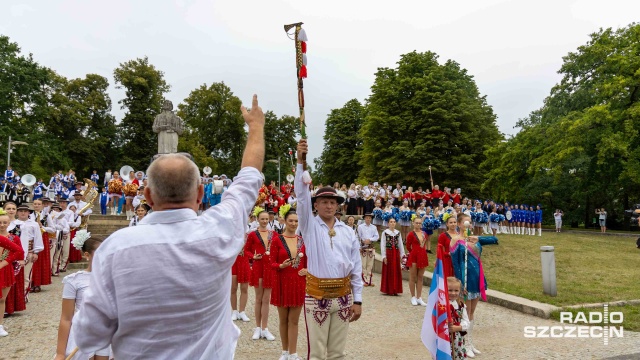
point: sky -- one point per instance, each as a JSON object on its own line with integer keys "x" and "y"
{"x": 513, "y": 49}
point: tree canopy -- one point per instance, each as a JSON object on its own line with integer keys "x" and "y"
{"x": 580, "y": 150}
{"x": 424, "y": 113}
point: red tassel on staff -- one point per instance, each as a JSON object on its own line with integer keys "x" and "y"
{"x": 303, "y": 72}
{"x": 303, "y": 45}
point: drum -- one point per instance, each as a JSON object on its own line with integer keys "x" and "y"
{"x": 218, "y": 186}
{"x": 508, "y": 215}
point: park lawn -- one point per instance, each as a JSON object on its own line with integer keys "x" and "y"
{"x": 589, "y": 268}
{"x": 631, "y": 313}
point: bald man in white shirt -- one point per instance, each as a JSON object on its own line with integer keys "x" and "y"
{"x": 162, "y": 288}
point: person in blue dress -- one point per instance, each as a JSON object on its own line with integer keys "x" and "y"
{"x": 538, "y": 217}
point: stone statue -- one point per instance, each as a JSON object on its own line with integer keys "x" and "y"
{"x": 168, "y": 126}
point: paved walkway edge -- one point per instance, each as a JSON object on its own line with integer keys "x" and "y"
{"x": 508, "y": 301}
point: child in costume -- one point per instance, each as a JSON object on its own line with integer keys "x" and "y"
{"x": 459, "y": 323}
{"x": 75, "y": 286}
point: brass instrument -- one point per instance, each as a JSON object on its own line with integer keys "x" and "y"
{"x": 90, "y": 195}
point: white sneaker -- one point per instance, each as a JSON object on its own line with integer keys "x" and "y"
{"x": 3, "y": 332}
{"x": 414, "y": 302}
{"x": 234, "y": 315}
{"x": 421, "y": 302}
{"x": 267, "y": 335}
{"x": 284, "y": 356}
{"x": 470, "y": 353}
{"x": 242, "y": 316}
{"x": 294, "y": 357}
{"x": 256, "y": 334}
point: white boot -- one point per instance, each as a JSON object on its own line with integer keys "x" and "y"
{"x": 127, "y": 213}
{"x": 539, "y": 231}
{"x": 533, "y": 231}
{"x": 499, "y": 231}
{"x": 522, "y": 232}
{"x": 470, "y": 339}
{"x": 234, "y": 315}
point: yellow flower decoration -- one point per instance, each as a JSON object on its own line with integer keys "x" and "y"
{"x": 284, "y": 209}
{"x": 2, "y": 212}
{"x": 446, "y": 216}
{"x": 257, "y": 210}
{"x": 413, "y": 217}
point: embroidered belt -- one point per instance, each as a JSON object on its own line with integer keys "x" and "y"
{"x": 327, "y": 288}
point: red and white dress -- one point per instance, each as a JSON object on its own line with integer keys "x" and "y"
{"x": 391, "y": 249}
{"x": 16, "y": 297}
{"x": 417, "y": 253}
{"x": 261, "y": 268}
{"x": 75, "y": 255}
{"x": 241, "y": 267}
{"x": 41, "y": 270}
{"x": 288, "y": 287}
{"x": 9, "y": 252}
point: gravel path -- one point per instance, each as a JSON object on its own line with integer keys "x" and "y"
{"x": 389, "y": 329}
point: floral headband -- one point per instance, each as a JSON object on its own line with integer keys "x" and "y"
{"x": 284, "y": 209}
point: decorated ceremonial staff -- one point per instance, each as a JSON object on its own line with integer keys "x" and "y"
{"x": 300, "y": 42}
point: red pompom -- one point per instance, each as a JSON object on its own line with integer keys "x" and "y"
{"x": 303, "y": 45}
{"x": 303, "y": 72}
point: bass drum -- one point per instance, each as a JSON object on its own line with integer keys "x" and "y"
{"x": 218, "y": 186}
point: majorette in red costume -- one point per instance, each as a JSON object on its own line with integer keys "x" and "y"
{"x": 261, "y": 268}
{"x": 288, "y": 287}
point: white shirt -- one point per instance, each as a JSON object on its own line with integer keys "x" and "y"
{"x": 464, "y": 320}
{"x": 59, "y": 223}
{"x": 172, "y": 283}
{"x": 557, "y": 216}
{"x": 79, "y": 205}
{"x": 367, "y": 192}
{"x": 29, "y": 230}
{"x": 323, "y": 260}
{"x": 368, "y": 232}
{"x": 381, "y": 193}
{"x": 72, "y": 219}
{"x": 396, "y": 193}
{"x": 383, "y": 242}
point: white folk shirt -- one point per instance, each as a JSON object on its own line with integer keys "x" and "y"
{"x": 79, "y": 205}
{"x": 166, "y": 294}
{"x": 58, "y": 222}
{"x": 72, "y": 219}
{"x": 367, "y": 192}
{"x": 383, "y": 242}
{"x": 29, "y": 230}
{"x": 368, "y": 232}
{"x": 323, "y": 261}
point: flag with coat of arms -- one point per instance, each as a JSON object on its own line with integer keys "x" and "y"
{"x": 435, "y": 329}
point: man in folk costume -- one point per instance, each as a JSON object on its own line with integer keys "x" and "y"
{"x": 31, "y": 239}
{"x": 64, "y": 221}
{"x": 334, "y": 279}
{"x": 77, "y": 201}
{"x": 368, "y": 234}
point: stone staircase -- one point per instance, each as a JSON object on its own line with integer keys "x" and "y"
{"x": 103, "y": 226}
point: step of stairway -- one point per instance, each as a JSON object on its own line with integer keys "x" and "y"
{"x": 104, "y": 229}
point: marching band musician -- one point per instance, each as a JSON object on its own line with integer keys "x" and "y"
{"x": 9, "y": 174}
{"x": 61, "y": 255}
{"x": 368, "y": 234}
{"x": 31, "y": 239}
{"x": 41, "y": 271}
{"x": 382, "y": 195}
{"x": 397, "y": 195}
{"x": 107, "y": 177}
{"x": 79, "y": 204}
{"x": 95, "y": 177}
{"x": 76, "y": 189}
{"x": 368, "y": 198}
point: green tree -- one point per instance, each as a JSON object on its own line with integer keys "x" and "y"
{"x": 584, "y": 139}
{"x": 80, "y": 117}
{"x": 22, "y": 97}
{"x": 342, "y": 143}
{"x": 145, "y": 87}
{"x": 425, "y": 113}
{"x": 281, "y": 137}
{"x": 213, "y": 115}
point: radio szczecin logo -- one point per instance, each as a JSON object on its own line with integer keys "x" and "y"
{"x": 592, "y": 324}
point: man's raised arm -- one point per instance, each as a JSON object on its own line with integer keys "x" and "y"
{"x": 254, "y": 151}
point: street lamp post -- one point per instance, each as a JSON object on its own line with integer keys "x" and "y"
{"x": 276, "y": 162}
{"x": 10, "y": 149}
